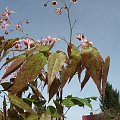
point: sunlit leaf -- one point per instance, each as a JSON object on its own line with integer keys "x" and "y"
{"x": 14, "y": 66}
{"x": 55, "y": 64}
{"x": 86, "y": 78}
{"x": 33, "y": 117}
{"x": 54, "y": 88}
{"x": 68, "y": 102}
{"x": 93, "y": 63}
{"x": 105, "y": 74}
{"x": 29, "y": 71}
{"x": 45, "y": 116}
{"x": 68, "y": 72}
{"x": 19, "y": 102}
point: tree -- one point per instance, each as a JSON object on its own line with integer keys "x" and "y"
{"x": 29, "y": 69}
{"x": 111, "y": 102}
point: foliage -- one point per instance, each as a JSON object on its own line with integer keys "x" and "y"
{"x": 111, "y": 99}
{"x": 36, "y": 63}
{"x": 111, "y": 102}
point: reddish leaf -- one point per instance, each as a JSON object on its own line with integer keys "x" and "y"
{"x": 54, "y": 88}
{"x": 69, "y": 71}
{"x": 85, "y": 80}
{"x": 55, "y": 64}
{"x": 29, "y": 71}
{"x": 105, "y": 74}
{"x": 8, "y": 61}
{"x": 4, "y": 108}
{"x": 93, "y": 63}
{"x": 14, "y": 66}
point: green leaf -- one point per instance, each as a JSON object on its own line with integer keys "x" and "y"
{"x": 14, "y": 66}
{"x": 20, "y": 103}
{"x": 86, "y": 78}
{"x": 45, "y": 116}
{"x": 93, "y": 63}
{"x": 105, "y": 74}
{"x": 55, "y": 64}
{"x": 68, "y": 102}
{"x": 59, "y": 107}
{"x": 29, "y": 71}
{"x": 83, "y": 101}
{"x": 53, "y": 112}
{"x": 32, "y": 117}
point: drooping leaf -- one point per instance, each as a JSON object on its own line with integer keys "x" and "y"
{"x": 59, "y": 107}
{"x": 1, "y": 115}
{"x": 51, "y": 110}
{"x": 12, "y": 114}
{"x": 45, "y": 116}
{"x": 32, "y": 117}
{"x": 54, "y": 88}
{"x": 8, "y": 61}
{"x": 29, "y": 71}
{"x": 68, "y": 72}
{"x": 14, "y": 66}
{"x": 36, "y": 92}
{"x": 80, "y": 68}
{"x": 5, "y": 108}
{"x": 86, "y": 78}
{"x": 4, "y": 55}
{"x": 19, "y": 102}
{"x": 93, "y": 63}
{"x": 6, "y": 85}
{"x": 105, "y": 74}
{"x": 55, "y": 64}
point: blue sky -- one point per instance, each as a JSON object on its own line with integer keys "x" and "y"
{"x": 99, "y": 20}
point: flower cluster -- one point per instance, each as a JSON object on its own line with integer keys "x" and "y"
{"x": 5, "y": 21}
{"x": 84, "y": 40}
{"x": 59, "y": 10}
{"x": 48, "y": 40}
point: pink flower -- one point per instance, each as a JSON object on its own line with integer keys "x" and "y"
{"x": 54, "y": 3}
{"x": 18, "y": 45}
{"x": 84, "y": 44}
{"x": 18, "y": 26}
{"x": 59, "y": 11}
{"x": 79, "y": 37}
{"x": 7, "y": 13}
{"x": 5, "y": 25}
{"x": 74, "y": 1}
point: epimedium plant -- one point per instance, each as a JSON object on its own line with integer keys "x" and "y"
{"x": 36, "y": 63}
